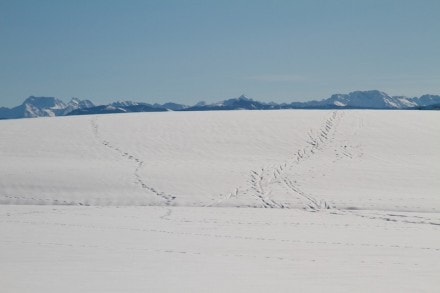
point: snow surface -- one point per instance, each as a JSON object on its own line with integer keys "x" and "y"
{"x": 335, "y": 201}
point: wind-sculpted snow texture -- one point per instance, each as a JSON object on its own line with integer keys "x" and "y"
{"x": 243, "y": 201}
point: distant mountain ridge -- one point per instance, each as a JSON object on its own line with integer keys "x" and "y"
{"x": 43, "y": 107}
{"x": 240, "y": 103}
{"x": 374, "y": 99}
{"x": 127, "y": 107}
{"x": 364, "y": 100}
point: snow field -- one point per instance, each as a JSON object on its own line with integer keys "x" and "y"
{"x": 288, "y": 201}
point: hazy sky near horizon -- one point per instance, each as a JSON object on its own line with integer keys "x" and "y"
{"x": 187, "y": 51}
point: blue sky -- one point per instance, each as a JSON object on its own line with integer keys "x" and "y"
{"x": 187, "y": 51}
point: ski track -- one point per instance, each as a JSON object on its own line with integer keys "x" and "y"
{"x": 167, "y": 198}
{"x": 315, "y": 143}
{"x": 386, "y": 225}
{"x": 23, "y": 200}
{"x": 168, "y": 216}
{"x": 394, "y": 218}
{"x": 227, "y": 236}
{"x": 193, "y": 253}
{"x": 263, "y": 179}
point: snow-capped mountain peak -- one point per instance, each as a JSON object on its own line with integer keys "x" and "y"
{"x": 44, "y": 102}
{"x": 44, "y": 107}
{"x": 372, "y": 99}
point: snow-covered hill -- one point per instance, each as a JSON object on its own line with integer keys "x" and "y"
{"x": 223, "y": 201}
{"x": 225, "y": 159}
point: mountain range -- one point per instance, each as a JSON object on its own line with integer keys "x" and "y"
{"x": 44, "y": 107}
{"x": 374, "y": 99}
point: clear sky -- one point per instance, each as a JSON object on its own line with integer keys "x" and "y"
{"x": 187, "y": 51}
